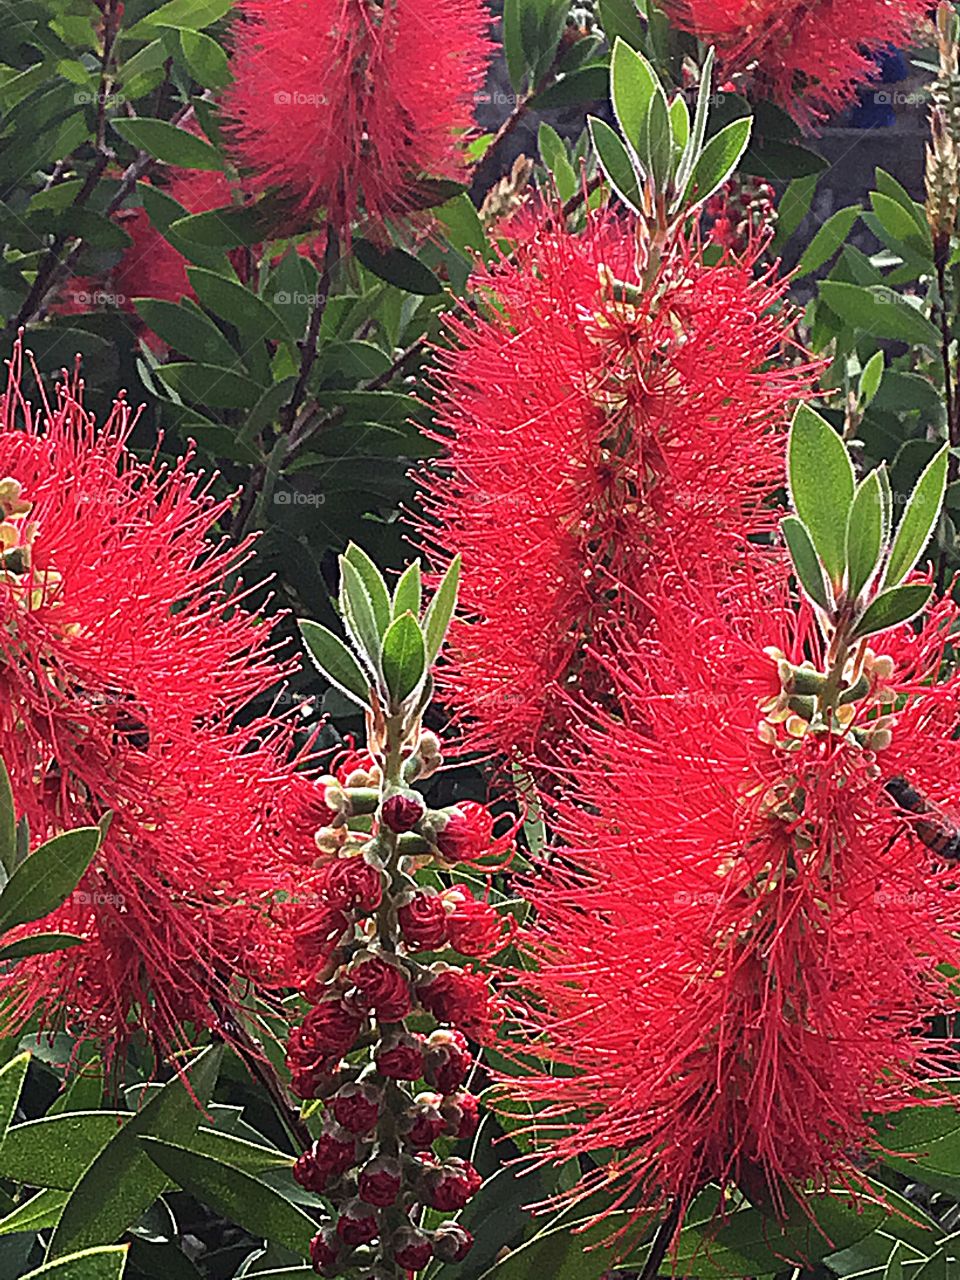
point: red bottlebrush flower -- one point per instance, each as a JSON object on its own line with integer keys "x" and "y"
{"x": 325, "y": 1250}
{"x": 308, "y": 805}
{"x": 124, "y": 664}
{"x": 315, "y": 939}
{"x": 423, "y": 922}
{"x": 451, "y": 1242}
{"x": 379, "y": 987}
{"x": 586, "y": 438}
{"x": 357, "y": 1224}
{"x": 454, "y": 995}
{"x": 809, "y": 58}
{"x": 466, "y": 833}
{"x": 356, "y": 768}
{"x": 356, "y": 1107}
{"x": 352, "y": 884}
{"x": 401, "y": 1057}
{"x": 402, "y": 811}
{"x": 473, "y": 928}
{"x": 737, "y": 979}
{"x": 412, "y": 1248}
{"x": 334, "y": 100}
{"x": 461, "y": 1112}
{"x": 327, "y": 1033}
{"x": 379, "y": 1181}
{"x": 448, "y": 1060}
{"x": 452, "y": 1186}
{"x": 423, "y": 1124}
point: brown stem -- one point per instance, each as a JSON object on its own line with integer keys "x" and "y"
{"x": 661, "y": 1242}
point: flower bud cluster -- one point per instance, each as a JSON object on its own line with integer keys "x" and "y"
{"x": 377, "y": 968}
{"x": 743, "y": 210}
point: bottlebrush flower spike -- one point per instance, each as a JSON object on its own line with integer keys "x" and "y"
{"x": 336, "y": 98}
{"x": 809, "y": 58}
{"x": 591, "y": 420}
{"x": 124, "y": 660}
{"x": 739, "y": 970}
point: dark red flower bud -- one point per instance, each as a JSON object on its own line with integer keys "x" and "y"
{"x": 447, "y": 1060}
{"x": 454, "y": 995}
{"x": 315, "y": 1048}
{"x": 356, "y": 1107}
{"x": 473, "y": 928}
{"x": 401, "y": 1057}
{"x": 412, "y": 1248}
{"x": 325, "y": 1251}
{"x": 357, "y": 1223}
{"x": 451, "y": 1242}
{"x": 352, "y": 884}
{"x": 380, "y": 987}
{"x": 423, "y": 1123}
{"x": 316, "y": 936}
{"x": 423, "y": 922}
{"x": 451, "y": 1186}
{"x": 467, "y": 833}
{"x": 379, "y": 1181}
{"x": 461, "y": 1112}
{"x": 329, "y": 1157}
{"x": 402, "y": 811}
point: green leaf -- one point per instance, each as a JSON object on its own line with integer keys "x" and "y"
{"x": 439, "y": 614}
{"x": 335, "y": 661}
{"x": 11, "y": 1085}
{"x": 105, "y": 1263}
{"x": 871, "y": 376}
{"x": 407, "y": 593}
{"x": 206, "y": 59}
{"x": 122, "y": 1183}
{"x": 235, "y": 303}
{"x": 8, "y": 823}
{"x": 586, "y": 84}
{"x": 830, "y": 236}
{"x": 916, "y": 524}
{"x": 615, "y": 162}
{"x": 900, "y": 226}
{"x": 717, "y": 161}
{"x": 374, "y": 583}
{"x": 55, "y": 1150}
{"x": 404, "y": 657}
{"x": 554, "y": 155}
{"x": 698, "y": 130}
{"x": 821, "y": 486}
{"x": 864, "y": 533}
{"x": 679, "y": 122}
{"x": 190, "y": 15}
{"x": 560, "y": 1254}
{"x": 168, "y": 143}
{"x": 621, "y": 19}
{"x": 894, "y": 1268}
{"x": 186, "y": 330}
{"x": 805, "y": 560}
{"x": 212, "y": 385}
{"x": 40, "y": 944}
{"x": 889, "y": 608}
{"x": 633, "y": 89}
{"x": 359, "y": 618}
{"x": 46, "y": 879}
{"x": 397, "y": 267}
{"x": 879, "y": 312}
{"x": 239, "y": 1197}
{"x": 239, "y": 1153}
{"x": 513, "y": 44}
{"x": 793, "y": 208}
{"x": 39, "y": 1213}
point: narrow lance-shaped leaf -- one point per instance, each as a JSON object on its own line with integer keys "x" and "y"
{"x": 101, "y": 1263}
{"x": 805, "y": 560}
{"x": 615, "y": 163}
{"x": 918, "y": 519}
{"x": 864, "y": 533}
{"x": 335, "y": 662}
{"x": 8, "y": 823}
{"x": 373, "y": 581}
{"x": 870, "y": 378}
{"x": 698, "y": 130}
{"x": 47, "y": 877}
{"x": 633, "y": 89}
{"x": 717, "y": 161}
{"x": 889, "y": 608}
{"x": 359, "y": 619}
{"x": 437, "y": 619}
{"x": 407, "y": 594}
{"x": 821, "y": 482}
{"x": 404, "y": 657}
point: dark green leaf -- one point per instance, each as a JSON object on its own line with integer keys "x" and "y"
{"x": 56, "y": 1150}
{"x": 374, "y": 583}
{"x": 615, "y": 162}
{"x": 407, "y": 593}
{"x": 830, "y": 236}
{"x": 916, "y": 523}
{"x": 206, "y": 59}
{"x": 439, "y": 614}
{"x": 397, "y": 267}
{"x": 821, "y": 486}
{"x": 239, "y": 1153}
{"x": 190, "y": 15}
{"x": 717, "y": 161}
{"x": 633, "y": 88}
{"x": 778, "y": 161}
{"x": 105, "y": 1263}
{"x": 121, "y": 1183}
{"x": 235, "y": 303}
{"x": 805, "y": 560}
{"x": 871, "y": 376}
{"x": 513, "y": 44}
{"x": 239, "y": 1197}
{"x": 335, "y": 661}
{"x": 404, "y": 657}
{"x": 213, "y": 385}
{"x": 793, "y": 208}
{"x": 900, "y": 225}
{"x": 8, "y": 823}
{"x": 358, "y": 615}
{"x": 587, "y": 84}
{"x": 39, "y": 1213}
{"x": 47, "y": 878}
{"x": 889, "y": 608}
{"x": 186, "y": 330}
{"x": 11, "y": 1084}
{"x": 40, "y": 944}
{"x": 168, "y": 143}
{"x": 620, "y": 18}
{"x": 879, "y": 312}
